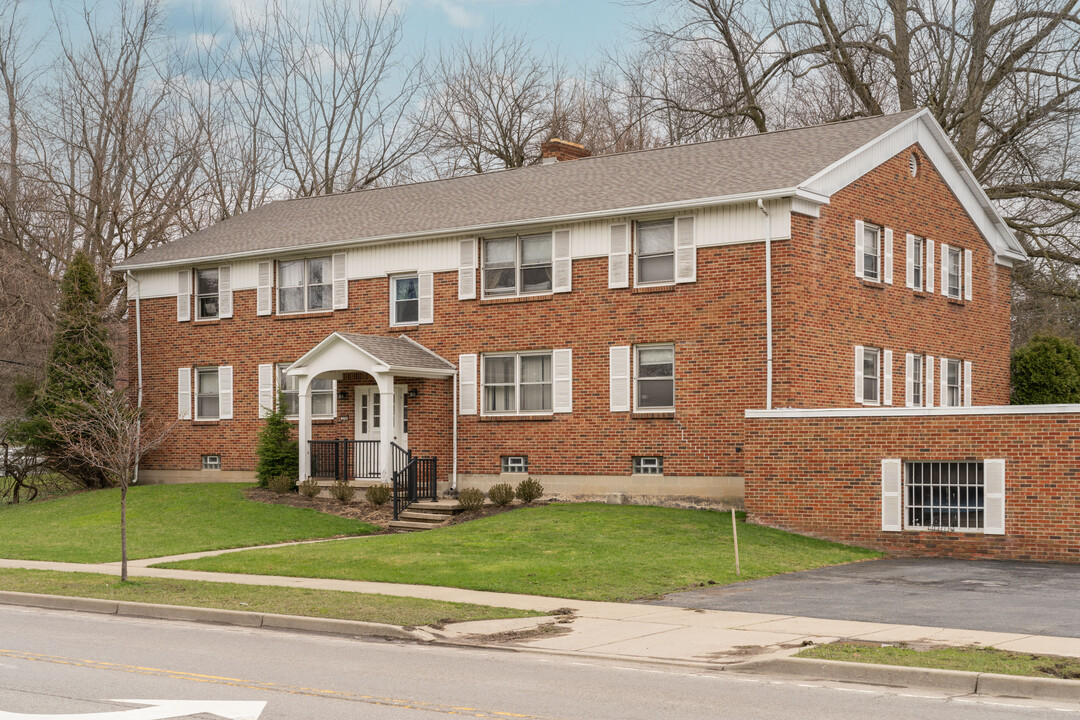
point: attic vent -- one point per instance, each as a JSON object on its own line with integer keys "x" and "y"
{"x": 913, "y": 164}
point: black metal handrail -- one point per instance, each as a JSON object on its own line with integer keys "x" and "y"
{"x": 325, "y": 459}
{"x": 344, "y": 459}
{"x": 400, "y": 457}
{"x": 417, "y": 480}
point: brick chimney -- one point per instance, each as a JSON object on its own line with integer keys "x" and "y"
{"x": 556, "y": 150}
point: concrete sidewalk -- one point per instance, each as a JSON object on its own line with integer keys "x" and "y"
{"x": 623, "y": 630}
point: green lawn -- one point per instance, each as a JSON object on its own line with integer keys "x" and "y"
{"x": 585, "y": 551}
{"x": 162, "y": 520}
{"x": 972, "y": 659}
{"x": 254, "y": 598}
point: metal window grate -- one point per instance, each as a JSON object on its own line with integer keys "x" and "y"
{"x": 944, "y": 495}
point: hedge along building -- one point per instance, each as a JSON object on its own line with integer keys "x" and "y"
{"x": 601, "y": 323}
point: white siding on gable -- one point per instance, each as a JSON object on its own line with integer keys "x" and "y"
{"x": 436, "y": 255}
{"x": 845, "y": 173}
{"x": 245, "y": 274}
{"x": 155, "y": 283}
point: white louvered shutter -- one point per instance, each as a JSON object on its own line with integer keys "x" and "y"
{"x": 928, "y": 266}
{"x": 467, "y": 384}
{"x": 909, "y": 379}
{"x": 466, "y": 278}
{"x": 943, "y": 381}
{"x": 561, "y": 264}
{"x": 183, "y": 296}
{"x": 967, "y": 274}
{"x": 858, "y": 374}
{"x": 341, "y": 281}
{"x": 225, "y": 392}
{"x": 886, "y": 377}
{"x": 183, "y": 394}
{"x": 909, "y": 258}
{"x": 562, "y": 381}
{"x": 967, "y": 383}
{"x": 619, "y": 372}
{"x": 888, "y": 255}
{"x": 225, "y": 294}
{"x": 928, "y": 388}
{"x": 859, "y": 237}
{"x": 425, "y": 298}
{"x": 685, "y": 250}
{"x": 619, "y": 256}
{"x": 266, "y": 389}
{"x": 891, "y": 507}
{"x": 944, "y": 269}
{"x": 994, "y": 497}
{"x": 265, "y": 289}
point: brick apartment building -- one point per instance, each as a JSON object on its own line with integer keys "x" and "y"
{"x": 601, "y": 323}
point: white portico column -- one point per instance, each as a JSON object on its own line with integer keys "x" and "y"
{"x": 305, "y": 426}
{"x": 385, "y": 382}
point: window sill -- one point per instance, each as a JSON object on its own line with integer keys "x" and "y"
{"x": 205, "y": 423}
{"x": 405, "y": 328}
{"x": 876, "y": 284}
{"x": 304, "y": 315}
{"x": 516, "y": 299}
{"x": 516, "y": 418}
{"x": 644, "y": 289}
{"x": 922, "y": 293}
{"x": 208, "y": 321}
{"x": 956, "y": 301}
{"x": 653, "y": 415}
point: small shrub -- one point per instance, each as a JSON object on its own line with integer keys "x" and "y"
{"x": 378, "y": 495}
{"x": 309, "y": 488}
{"x": 281, "y": 484}
{"x": 471, "y": 499}
{"x": 501, "y": 494}
{"x": 342, "y": 491}
{"x": 529, "y": 490}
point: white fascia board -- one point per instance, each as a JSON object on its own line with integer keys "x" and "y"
{"x": 480, "y": 229}
{"x": 1058, "y": 409}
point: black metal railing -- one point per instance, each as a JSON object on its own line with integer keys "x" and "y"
{"x": 365, "y": 459}
{"x": 399, "y": 457}
{"x": 325, "y": 459}
{"x": 348, "y": 459}
{"x": 416, "y": 481}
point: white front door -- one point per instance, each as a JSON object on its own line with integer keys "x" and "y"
{"x": 369, "y": 421}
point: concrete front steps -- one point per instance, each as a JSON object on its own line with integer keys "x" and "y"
{"x": 425, "y": 515}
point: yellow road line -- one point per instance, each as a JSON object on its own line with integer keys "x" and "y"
{"x": 273, "y": 687}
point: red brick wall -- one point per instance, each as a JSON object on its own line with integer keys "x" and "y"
{"x": 823, "y": 310}
{"x": 822, "y": 476}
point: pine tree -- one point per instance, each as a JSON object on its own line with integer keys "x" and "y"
{"x": 79, "y": 361}
{"x": 278, "y": 452}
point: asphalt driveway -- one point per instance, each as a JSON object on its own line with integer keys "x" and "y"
{"x": 1017, "y": 597}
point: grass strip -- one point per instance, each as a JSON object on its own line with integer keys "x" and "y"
{"x": 970, "y": 658}
{"x": 162, "y": 520}
{"x": 586, "y": 551}
{"x": 337, "y": 604}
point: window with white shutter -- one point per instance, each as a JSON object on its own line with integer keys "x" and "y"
{"x": 225, "y": 392}
{"x": 561, "y": 263}
{"x": 967, "y": 274}
{"x": 563, "y": 384}
{"x": 619, "y": 374}
{"x": 467, "y": 272}
{"x": 183, "y": 296}
{"x": 467, "y": 384}
{"x": 858, "y": 374}
{"x": 868, "y": 378}
{"x": 951, "y": 495}
{"x": 685, "y": 250}
{"x": 225, "y": 292}
{"x": 341, "y": 281}
{"x": 888, "y": 256}
{"x": 183, "y": 393}
{"x": 859, "y": 235}
{"x": 426, "y": 309}
{"x": 929, "y": 391}
{"x": 891, "y": 507}
{"x": 913, "y": 380}
{"x": 967, "y": 383}
{"x": 929, "y": 266}
{"x": 870, "y": 252}
{"x": 619, "y": 256}
{"x": 405, "y": 299}
{"x": 265, "y": 289}
{"x": 266, "y": 389}
{"x": 910, "y": 262}
{"x": 886, "y": 377}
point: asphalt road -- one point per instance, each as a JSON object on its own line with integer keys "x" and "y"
{"x": 1014, "y": 597}
{"x": 65, "y": 664}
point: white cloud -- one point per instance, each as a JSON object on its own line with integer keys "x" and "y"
{"x": 458, "y": 16}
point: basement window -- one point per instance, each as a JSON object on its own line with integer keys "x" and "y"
{"x": 648, "y": 465}
{"x": 944, "y": 495}
{"x": 211, "y": 462}
{"x": 515, "y": 463}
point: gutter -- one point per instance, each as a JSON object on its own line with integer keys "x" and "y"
{"x": 138, "y": 354}
{"x": 768, "y": 304}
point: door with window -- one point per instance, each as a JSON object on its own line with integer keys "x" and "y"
{"x": 369, "y": 427}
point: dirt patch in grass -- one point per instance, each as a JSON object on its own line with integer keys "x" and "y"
{"x": 971, "y": 658}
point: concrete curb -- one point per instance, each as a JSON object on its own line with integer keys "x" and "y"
{"x": 955, "y": 681}
{"x": 356, "y": 628}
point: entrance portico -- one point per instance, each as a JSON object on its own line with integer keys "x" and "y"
{"x": 384, "y": 359}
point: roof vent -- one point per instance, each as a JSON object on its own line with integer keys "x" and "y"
{"x": 556, "y": 150}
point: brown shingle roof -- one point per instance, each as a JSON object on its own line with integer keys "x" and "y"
{"x": 397, "y": 352}
{"x": 683, "y": 173}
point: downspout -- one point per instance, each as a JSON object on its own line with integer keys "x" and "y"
{"x": 453, "y": 476}
{"x": 768, "y": 304}
{"x": 138, "y": 355}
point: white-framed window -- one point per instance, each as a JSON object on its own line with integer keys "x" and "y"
{"x": 648, "y": 465}
{"x": 515, "y": 464}
{"x": 654, "y": 377}
{"x": 871, "y": 376}
{"x": 871, "y": 252}
{"x": 917, "y": 247}
{"x": 654, "y": 261}
{"x": 207, "y": 406}
{"x": 211, "y": 462}
{"x": 944, "y": 496}
{"x": 322, "y": 395}
{"x": 953, "y": 280}
{"x": 305, "y": 285}
{"x": 405, "y": 300}
{"x": 953, "y": 379}
{"x": 206, "y": 293}
{"x": 517, "y": 383}
{"x": 915, "y": 373}
{"x": 517, "y": 265}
